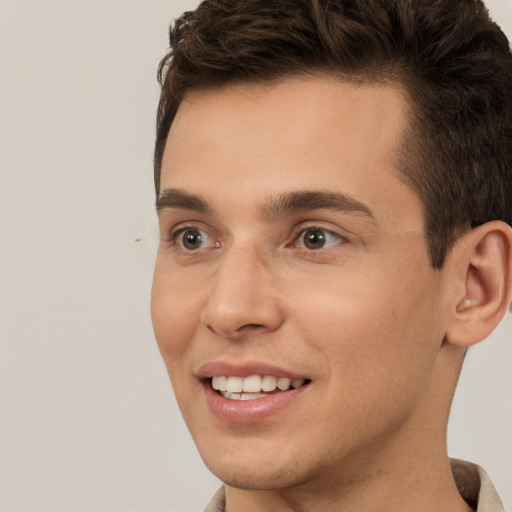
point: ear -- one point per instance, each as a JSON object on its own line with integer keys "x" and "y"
{"x": 482, "y": 266}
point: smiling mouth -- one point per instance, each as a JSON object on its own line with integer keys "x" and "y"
{"x": 254, "y": 386}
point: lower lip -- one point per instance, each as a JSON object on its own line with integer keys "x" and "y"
{"x": 249, "y": 411}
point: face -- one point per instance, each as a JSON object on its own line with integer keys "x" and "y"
{"x": 292, "y": 255}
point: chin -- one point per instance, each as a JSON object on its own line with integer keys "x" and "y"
{"x": 248, "y": 478}
{"x": 259, "y": 467}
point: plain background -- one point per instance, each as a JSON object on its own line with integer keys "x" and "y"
{"x": 87, "y": 417}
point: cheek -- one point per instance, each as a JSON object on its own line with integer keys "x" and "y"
{"x": 174, "y": 316}
{"x": 378, "y": 372}
{"x": 175, "y": 320}
{"x": 377, "y": 331}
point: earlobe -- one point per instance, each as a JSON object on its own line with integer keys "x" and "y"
{"x": 484, "y": 261}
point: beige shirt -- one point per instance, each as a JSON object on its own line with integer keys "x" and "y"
{"x": 472, "y": 481}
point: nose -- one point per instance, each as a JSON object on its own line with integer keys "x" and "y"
{"x": 243, "y": 297}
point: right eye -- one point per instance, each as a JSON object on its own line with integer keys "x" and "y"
{"x": 192, "y": 239}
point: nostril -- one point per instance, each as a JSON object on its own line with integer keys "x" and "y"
{"x": 239, "y": 331}
{"x": 250, "y": 327}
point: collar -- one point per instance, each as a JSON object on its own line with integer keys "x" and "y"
{"x": 475, "y": 486}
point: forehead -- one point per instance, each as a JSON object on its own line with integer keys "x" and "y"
{"x": 375, "y": 114}
{"x": 302, "y": 133}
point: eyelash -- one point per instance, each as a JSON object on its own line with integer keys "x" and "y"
{"x": 329, "y": 235}
{"x": 174, "y": 238}
{"x": 175, "y": 234}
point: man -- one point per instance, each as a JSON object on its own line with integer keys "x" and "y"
{"x": 334, "y": 184}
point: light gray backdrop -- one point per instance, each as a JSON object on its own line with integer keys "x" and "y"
{"x": 87, "y": 417}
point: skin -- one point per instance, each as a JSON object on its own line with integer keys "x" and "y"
{"x": 364, "y": 317}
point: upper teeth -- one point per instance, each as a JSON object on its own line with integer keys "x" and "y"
{"x": 254, "y": 383}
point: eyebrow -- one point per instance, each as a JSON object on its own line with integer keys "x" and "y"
{"x": 275, "y": 206}
{"x": 174, "y": 198}
{"x": 301, "y": 201}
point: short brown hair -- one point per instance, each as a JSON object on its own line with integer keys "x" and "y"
{"x": 453, "y": 60}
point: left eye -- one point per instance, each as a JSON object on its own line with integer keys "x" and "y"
{"x": 317, "y": 238}
{"x": 193, "y": 239}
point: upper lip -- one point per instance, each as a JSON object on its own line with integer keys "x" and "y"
{"x": 226, "y": 368}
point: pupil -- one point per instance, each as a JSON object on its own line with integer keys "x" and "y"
{"x": 191, "y": 239}
{"x": 314, "y": 239}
